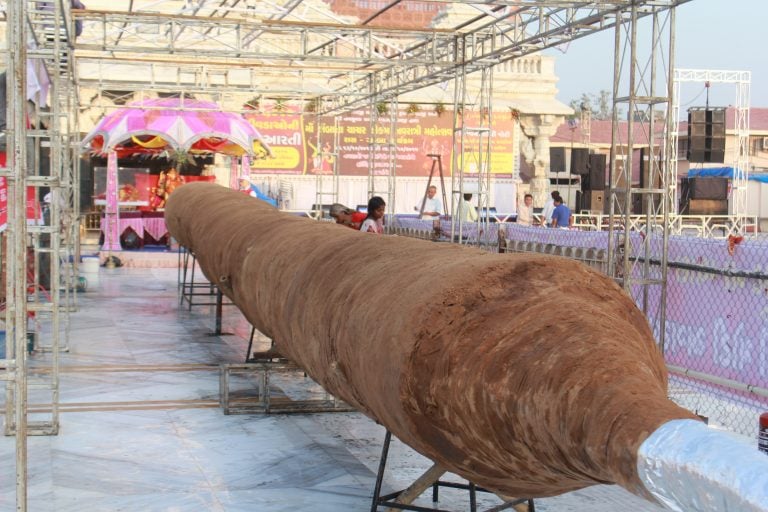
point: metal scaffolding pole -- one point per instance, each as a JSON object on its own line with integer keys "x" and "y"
{"x": 16, "y": 263}
{"x": 326, "y": 159}
{"x": 382, "y": 152}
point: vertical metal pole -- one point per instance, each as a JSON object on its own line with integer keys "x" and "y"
{"x": 219, "y": 311}
{"x": 614, "y": 174}
{"x": 669, "y": 177}
{"x": 17, "y": 223}
{"x": 627, "y": 278}
{"x": 111, "y": 218}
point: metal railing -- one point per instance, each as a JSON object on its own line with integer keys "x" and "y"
{"x": 703, "y": 226}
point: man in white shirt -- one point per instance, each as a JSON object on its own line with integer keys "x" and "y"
{"x": 432, "y": 206}
{"x": 466, "y": 212}
{"x": 525, "y": 212}
{"x": 549, "y": 207}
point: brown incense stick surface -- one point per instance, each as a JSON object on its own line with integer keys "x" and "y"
{"x": 526, "y": 374}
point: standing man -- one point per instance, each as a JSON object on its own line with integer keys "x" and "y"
{"x": 561, "y": 216}
{"x": 466, "y": 212}
{"x": 525, "y": 212}
{"x": 432, "y": 206}
{"x": 549, "y": 207}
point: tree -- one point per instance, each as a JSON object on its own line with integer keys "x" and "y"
{"x": 600, "y": 105}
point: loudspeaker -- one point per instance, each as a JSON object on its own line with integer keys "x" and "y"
{"x": 557, "y": 159}
{"x": 706, "y": 134}
{"x": 715, "y": 188}
{"x": 595, "y": 178}
{"x": 704, "y": 207}
{"x": 579, "y": 161}
{"x": 593, "y": 200}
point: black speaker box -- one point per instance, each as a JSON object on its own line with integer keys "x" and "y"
{"x": 596, "y": 174}
{"x": 704, "y": 207}
{"x": 557, "y": 159}
{"x": 706, "y": 135}
{"x": 579, "y": 161}
{"x": 713, "y": 188}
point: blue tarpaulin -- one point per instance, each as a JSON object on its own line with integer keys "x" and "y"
{"x": 255, "y": 192}
{"x": 725, "y": 172}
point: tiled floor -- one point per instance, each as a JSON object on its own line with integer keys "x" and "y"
{"x": 141, "y": 429}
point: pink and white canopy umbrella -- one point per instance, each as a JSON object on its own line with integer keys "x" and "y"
{"x": 175, "y": 124}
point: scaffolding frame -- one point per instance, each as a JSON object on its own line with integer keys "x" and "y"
{"x": 326, "y": 187}
{"x": 382, "y": 133}
{"x": 42, "y": 253}
{"x": 648, "y": 86}
{"x": 472, "y": 160}
{"x": 742, "y": 80}
{"x": 337, "y": 60}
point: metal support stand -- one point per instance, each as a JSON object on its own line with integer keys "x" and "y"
{"x": 265, "y": 399}
{"x": 260, "y": 356}
{"x": 403, "y": 499}
{"x": 188, "y": 287}
{"x": 219, "y": 314}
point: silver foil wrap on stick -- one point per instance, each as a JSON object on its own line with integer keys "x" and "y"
{"x": 688, "y": 467}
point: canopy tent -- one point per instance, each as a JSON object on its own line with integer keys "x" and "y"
{"x": 724, "y": 172}
{"x": 174, "y": 127}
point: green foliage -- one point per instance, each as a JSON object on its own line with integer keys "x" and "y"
{"x": 311, "y": 105}
{"x": 281, "y": 105}
{"x": 180, "y": 159}
{"x": 382, "y": 108}
{"x": 599, "y": 105}
{"x": 253, "y": 103}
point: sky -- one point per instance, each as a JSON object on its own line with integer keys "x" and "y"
{"x": 710, "y": 34}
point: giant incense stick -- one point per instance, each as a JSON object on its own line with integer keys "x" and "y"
{"x": 529, "y": 375}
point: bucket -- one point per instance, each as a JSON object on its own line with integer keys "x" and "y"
{"x": 90, "y": 265}
{"x": 90, "y": 270}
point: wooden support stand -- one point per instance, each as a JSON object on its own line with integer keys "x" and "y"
{"x": 403, "y": 499}
{"x": 437, "y": 165}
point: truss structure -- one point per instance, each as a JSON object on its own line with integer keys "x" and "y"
{"x": 42, "y": 252}
{"x": 246, "y": 50}
{"x": 740, "y": 163}
{"x": 637, "y": 259}
{"x": 472, "y": 151}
